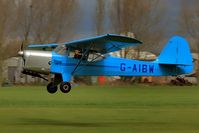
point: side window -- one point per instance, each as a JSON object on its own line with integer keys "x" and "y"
{"x": 95, "y": 57}
{"x": 71, "y": 54}
{"x": 77, "y": 54}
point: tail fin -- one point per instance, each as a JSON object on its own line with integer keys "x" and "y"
{"x": 176, "y": 52}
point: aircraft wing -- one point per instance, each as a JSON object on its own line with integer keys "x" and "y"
{"x": 53, "y": 45}
{"x": 104, "y": 44}
{"x": 100, "y": 44}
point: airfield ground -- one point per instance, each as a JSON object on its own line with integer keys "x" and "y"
{"x": 95, "y": 109}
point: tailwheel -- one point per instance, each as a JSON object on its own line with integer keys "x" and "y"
{"x": 51, "y": 88}
{"x": 65, "y": 87}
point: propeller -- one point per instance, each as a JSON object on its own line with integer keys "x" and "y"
{"x": 21, "y": 52}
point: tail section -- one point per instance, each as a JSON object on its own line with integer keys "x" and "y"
{"x": 176, "y": 52}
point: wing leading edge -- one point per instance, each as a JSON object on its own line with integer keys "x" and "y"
{"x": 101, "y": 44}
{"x": 43, "y": 46}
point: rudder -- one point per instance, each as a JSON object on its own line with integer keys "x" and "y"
{"x": 176, "y": 52}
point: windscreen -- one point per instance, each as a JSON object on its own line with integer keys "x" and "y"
{"x": 61, "y": 49}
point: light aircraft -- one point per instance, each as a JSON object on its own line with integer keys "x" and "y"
{"x": 89, "y": 57}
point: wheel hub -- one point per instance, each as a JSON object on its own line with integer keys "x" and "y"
{"x": 65, "y": 87}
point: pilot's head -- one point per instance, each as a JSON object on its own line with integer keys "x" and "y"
{"x": 77, "y": 52}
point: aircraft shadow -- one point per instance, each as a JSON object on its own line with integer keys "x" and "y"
{"x": 51, "y": 122}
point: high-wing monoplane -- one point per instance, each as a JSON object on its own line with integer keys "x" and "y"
{"x": 89, "y": 57}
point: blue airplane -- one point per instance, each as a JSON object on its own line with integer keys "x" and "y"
{"x": 89, "y": 57}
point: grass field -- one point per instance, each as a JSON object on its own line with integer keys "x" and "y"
{"x": 95, "y": 109}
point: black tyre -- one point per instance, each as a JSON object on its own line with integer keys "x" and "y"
{"x": 51, "y": 88}
{"x": 65, "y": 87}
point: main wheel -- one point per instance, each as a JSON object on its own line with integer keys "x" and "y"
{"x": 65, "y": 87}
{"x": 51, "y": 88}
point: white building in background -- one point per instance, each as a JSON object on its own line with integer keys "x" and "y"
{"x": 12, "y": 68}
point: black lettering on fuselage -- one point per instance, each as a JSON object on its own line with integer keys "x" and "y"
{"x": 151, "y": 68}
{"x": 141, "y": 68}
{"x": 144, "y": 68}
{"x": 122, "y": 67}
{"x": 134, "y": 68}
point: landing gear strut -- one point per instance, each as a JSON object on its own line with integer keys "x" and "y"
{"x": 51, "y": 88}
{"x": 65, "y": 87}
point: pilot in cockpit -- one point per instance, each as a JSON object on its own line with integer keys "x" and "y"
{"x": 78, "y": 54}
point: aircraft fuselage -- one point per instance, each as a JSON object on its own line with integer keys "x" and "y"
{"x": 113, "y": 66}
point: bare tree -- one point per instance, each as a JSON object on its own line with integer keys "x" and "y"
{"x": 190, "y": 25}
{"x": 139, "y": 17}
{"x": 100, "y": 16}
{"x": 66, "y": 19}
{"x": 44, "y": 21}
{"x": 5, "y": 15}
{"x": 24, "y": 21}
{"x": 50, "y": 18}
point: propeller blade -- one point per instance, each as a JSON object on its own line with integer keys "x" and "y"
{"x": 21, "y": 48}
{"x": 21, "y": 52}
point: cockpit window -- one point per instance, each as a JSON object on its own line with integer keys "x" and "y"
{"x": 62, "y": 50}
{"x": 77, "y": 54}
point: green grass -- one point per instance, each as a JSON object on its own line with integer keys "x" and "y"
{"x": 95, "y": 109}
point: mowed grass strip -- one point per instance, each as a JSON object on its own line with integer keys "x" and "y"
{"x": 90, "y": 109}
